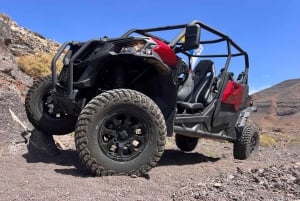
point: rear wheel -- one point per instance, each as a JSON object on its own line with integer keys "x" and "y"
{"x": 186, "y": 143}
{"x": 247, "y": 144}
{"x": 120, "y": 132}
{"x": 40, "y": 112}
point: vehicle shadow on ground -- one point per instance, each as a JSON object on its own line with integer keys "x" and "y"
{"x": 177, "y": 157}
{"x": 67, "y": 161}
{"x": 42, "y": 149}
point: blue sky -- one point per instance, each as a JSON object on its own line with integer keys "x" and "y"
{"x": 269, "y": 30}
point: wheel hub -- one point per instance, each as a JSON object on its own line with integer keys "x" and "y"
{"x": 122, "y": 136}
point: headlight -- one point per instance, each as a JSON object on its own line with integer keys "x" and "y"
{"x": 136, "y": 47}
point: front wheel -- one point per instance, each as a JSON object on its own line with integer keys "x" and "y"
{"x": 40, "y": 113}
{"x": 247, "y": 143}
{"x": 120, "y": 132}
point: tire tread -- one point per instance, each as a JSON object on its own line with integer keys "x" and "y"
{"x": 100, "y": 101}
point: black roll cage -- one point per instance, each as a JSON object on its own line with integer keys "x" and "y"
{"x": 177, "y": 41}
{"x": 173, "y": 44}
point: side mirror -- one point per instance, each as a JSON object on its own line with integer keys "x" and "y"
{"x": 192, "y": 37}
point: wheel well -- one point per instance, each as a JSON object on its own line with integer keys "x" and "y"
{"x": 136, "y": 74}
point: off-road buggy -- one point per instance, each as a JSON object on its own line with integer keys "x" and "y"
{"x": 124, "y": 96}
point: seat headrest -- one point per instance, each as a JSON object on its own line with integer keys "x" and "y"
{"x": 203, "y": 67}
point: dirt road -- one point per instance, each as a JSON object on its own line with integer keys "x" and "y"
{"x": 207, "y": 173}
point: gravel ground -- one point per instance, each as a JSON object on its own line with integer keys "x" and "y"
{"x": 207, "y": 173}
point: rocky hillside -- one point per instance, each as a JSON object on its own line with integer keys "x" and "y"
{"x": 16, "y": 41}
{"x": 22, "y": 41}
{"x": 279, "y": 106}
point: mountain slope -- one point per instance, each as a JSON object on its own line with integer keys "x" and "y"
{"x": 279, "y": 105}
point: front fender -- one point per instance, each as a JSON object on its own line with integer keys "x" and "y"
{"x": 154, "y": 61}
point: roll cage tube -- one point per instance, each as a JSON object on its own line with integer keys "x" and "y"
{"x": 70, "y": 63}
{"x": 54, "y": 60}
{"x": 177, "y": 41}
{"x": 174, "y": 44}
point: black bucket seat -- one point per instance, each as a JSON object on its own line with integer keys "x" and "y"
{"x": 194, "y": 95}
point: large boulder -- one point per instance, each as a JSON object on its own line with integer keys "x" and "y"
{"x": 13, "y": 122}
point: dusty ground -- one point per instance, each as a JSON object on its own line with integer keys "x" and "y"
{"x": 207, "y": 173}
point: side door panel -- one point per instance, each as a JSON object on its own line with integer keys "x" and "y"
{"x": 231, "y": 101}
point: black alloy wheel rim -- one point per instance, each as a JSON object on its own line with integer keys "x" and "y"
{"x": 123, "y": 135}
{"x": 50, "y": 109}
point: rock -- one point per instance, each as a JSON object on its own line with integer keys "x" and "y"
{"x": 256, "y": 179}
{"x": 291, "y": 179}
{"x": 254, "y": 170}
{"x": 200, "y": 184}
{"x": 230, "y": 177}
{"x": 274, "y": 169}
{"x": 12, "y": 79}
{"x": 239, "y": 170}
{"x": 261, "y": 171}
{"x": 7, "y": 62}
{"x": 197, "y": 196}
{"x": 11, "y": 131}
{"x": 42, "y": 144}
{"x": 217, "y": 185}
{"x": 23, "y": 78}
{"x": 277, "y": 185}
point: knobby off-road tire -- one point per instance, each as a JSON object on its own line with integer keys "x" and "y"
{"x": 185, "y": 143}
{"x": 120, "y": 131}
{"x": 37, "y": 111}
{"x": 247, "y": 144}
